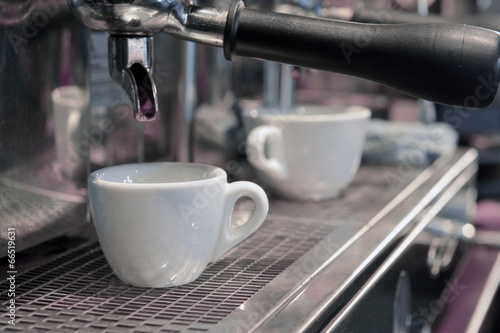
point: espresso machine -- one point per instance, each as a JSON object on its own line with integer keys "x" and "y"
{"x": 87, "y": 83}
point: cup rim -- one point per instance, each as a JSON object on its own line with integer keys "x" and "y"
{"x": 70, "y": 97}
{"x": 352, "y": 112}
{"x": 219, "y": 175}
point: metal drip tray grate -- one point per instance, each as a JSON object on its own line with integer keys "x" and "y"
{"x": 79, "y": 292}
{"x": 292, "y": 271}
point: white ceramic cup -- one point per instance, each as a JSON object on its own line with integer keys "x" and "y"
{"x": 160, "y": 224}
{"x": 308, "y": 153}
{"x": 70, "y": 105}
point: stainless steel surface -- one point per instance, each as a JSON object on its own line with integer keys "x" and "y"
{"x": 117, "y": 137}
{"x": 184, "y": 120}
{"x": 271, "y": 93}
{"x": 287, "y": 87}
{"x": 79, "y": 291}
{"x": 402, "y": 304}
{"x": 180, "y": 18}
{"x": 301, "y": 268}
{"x": 303, "y": 307}
{"x": 471, "y": 295}
{"x": 131, "y": 66}
{"x": 339, "y": 321}
{"x": 44, "y": 137}
{"x": 485, "y": 300}
{"x": 131, "y": 24}
{"x": 442, "y": 248}
{"x": 279, "y": 85}
{"x": 52, "y": 124}
{"x": 131, "y": 58}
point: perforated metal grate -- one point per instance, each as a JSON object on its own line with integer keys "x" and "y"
{"x": 79, "y": 292}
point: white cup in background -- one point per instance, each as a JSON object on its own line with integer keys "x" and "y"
{"x": 160, "y": 224}
{"x": 308, "y": 153}
{"x": 70, "y": 105}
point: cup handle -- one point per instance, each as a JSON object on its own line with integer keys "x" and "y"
{"x": 257, "y": 140}
{"x": 232, "y": 236}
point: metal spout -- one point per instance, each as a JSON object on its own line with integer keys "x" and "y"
{"x": 130, "y": 66}
{"x": 131, "y": 24}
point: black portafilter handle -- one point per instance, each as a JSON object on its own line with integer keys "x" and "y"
{"x": 453, "y": 64}
{"x": 486, "y": 20}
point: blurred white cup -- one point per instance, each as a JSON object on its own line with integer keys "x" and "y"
{"x": 309, "y": 152}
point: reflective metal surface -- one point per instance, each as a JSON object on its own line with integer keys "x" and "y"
{"x": 346, "y": 314}
{"x": 176, "y": 17}
{"x": 131, "y": 23}
{"x": 44, "y": 137}
{"x": 302, "y": 302}
{"x": 402, "y": 304}
{"x": 183, "y": 120}
{"x": 486, "y": 299}
{"x": 116, "y": 136}
{"x": 303, "y": 268}
{"x": 131, "y": 65}
{"x": 61, "y": 115}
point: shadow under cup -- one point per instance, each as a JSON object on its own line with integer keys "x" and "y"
{"x": 311, "y": 152}
{"x": 160, "y": 224}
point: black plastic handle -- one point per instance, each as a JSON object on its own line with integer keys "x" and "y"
{"x": 452, "y": 64}
{"x": 487, "y": 20}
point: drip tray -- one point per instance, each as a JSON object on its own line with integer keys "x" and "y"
{"x": 79, "y": 292}
{"x": 301, "y": 262}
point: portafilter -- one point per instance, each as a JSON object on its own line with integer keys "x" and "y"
{"x": 446, "y": 63}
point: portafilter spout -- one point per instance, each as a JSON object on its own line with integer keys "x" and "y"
{"x": 446, "y": 63}
{"x": 131, "y": 24}
{"x": 130, "y": 66}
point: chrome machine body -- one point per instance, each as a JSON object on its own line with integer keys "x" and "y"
{"x": 62, "y": 115}
{"x": 313, "y": 266}
{"x": 44, "y": 150}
